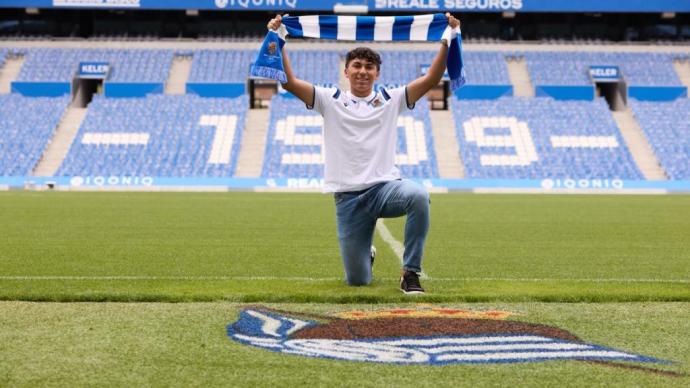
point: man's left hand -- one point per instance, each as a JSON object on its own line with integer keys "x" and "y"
{"x": 452, "y": 21}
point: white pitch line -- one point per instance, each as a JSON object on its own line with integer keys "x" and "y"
{"x": 186, "y": 278}
{"x": 396, "y": 245}
{"x": 575, "y": 280}
{"x": 330, "y": 279}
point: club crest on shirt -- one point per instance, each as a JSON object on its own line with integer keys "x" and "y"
{"x": 376, "y": 103}
{"x": 426, "y": 335}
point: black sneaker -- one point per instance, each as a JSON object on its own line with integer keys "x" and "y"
{"x": 409, "y": 283}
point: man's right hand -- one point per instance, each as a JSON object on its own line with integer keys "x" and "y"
{"x": 275, "y": 23}
{"x": 302, "y": 89}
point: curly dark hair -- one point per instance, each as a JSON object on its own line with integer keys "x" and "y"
{"x": 364, "y": 53}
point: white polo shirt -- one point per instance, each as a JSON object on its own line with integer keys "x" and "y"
{"x": 359, "y": 136}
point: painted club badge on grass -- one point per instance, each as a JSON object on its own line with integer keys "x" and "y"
{"x": 433, "y": 336}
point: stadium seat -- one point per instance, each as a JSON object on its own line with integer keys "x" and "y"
{"x": 221, "y": 66}
{"x": 483, "y": 68}
{"x": 317, "y": 67}
{"x": 572, "y": 68}
{"x": 232, "y": 66}
{"x": 126, "y": 65}
{"x": 536, "y": 138}
{"x": 667, "y": 128}
{"x": 26, "y": 126}
{"x": 160, "y": 135}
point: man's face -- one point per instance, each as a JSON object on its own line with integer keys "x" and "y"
{"x": 362, "y": 74}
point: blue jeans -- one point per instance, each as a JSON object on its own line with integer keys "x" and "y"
{"x": 357, "y": 213}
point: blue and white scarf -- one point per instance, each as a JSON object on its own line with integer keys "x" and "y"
{"x": 433, "y": 27}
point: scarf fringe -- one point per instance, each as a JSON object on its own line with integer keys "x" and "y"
{"x": 268, "y": 72}
{"x": 457, "y": 83}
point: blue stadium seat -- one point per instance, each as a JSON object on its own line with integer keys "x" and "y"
{"x": 572, "y": 68}
{"x": 482, "y": 68}
{"x": 26, "y": 126}
{"x": 667, "y": 128}
{"x": 126, "y": 65}
{"x": 536, "y": 138}
{"x": 232, "y": 66}
{"x": 317, "y": 67}
{"x": 221, "y": 66}
{"x": 160, "y": 135}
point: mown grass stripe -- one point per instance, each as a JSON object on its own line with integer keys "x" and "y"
{"x": 330, "y": 279}
{"x": 149, "y": 278}
{"x": 576, "y": 280}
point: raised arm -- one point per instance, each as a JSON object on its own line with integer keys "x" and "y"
{"x": 419, "y": 87}
{"x": 302, "y": 89}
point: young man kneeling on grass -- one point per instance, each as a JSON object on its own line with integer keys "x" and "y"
{"x": 360, "y": 136}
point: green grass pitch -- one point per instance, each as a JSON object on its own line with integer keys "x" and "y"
{"x": 163, "y": 344}
{"x": 249, "y": 247}
{"x": 614, "y": 270}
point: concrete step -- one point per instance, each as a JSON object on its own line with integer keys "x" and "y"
{"x": 60, "y": 144}
{"x": 251, "y": 157}
{"x": 446, "y": 144}
{"x": 9, "y": 72}
{"x": 683, "y": 70}
{"x": 638, "y": 145}
{"x": 519, "y": 77}
{"x": 179, "y": 74}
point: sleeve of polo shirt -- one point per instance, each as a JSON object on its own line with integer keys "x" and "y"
{"x": 320, "y": 96}
{"x": 399, "y": 97}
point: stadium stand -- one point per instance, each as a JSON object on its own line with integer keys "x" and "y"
{"x": 648, "y": 69}
{"x": 293, "y": 149}
{"x": 571, "y": 68}
{"x": 319, "y": 67}
{"x": 483, "y": 68}
{"x": 419, "y": 163}
{"x": 160, "y": 135}
{"x": 232, "y": 66}
{"x": 486, "y": 68}
{"x": 399, "y": 67}
{"x": 667, "y": 128}
{"x": 185, "y": 151}
{"x": 26, "y": 126}
{"x": 127, "y": 65}
{"x": 3, "y": 55}
{"x": 535, "y": 138}
{"x": 221, "y": 66}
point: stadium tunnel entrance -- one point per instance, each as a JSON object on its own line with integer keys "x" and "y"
{"x": 615, "y": 93}
{"x": 83, "y": 90}
{"x": 438, "y": 96}
{"x": 261, "y": 91}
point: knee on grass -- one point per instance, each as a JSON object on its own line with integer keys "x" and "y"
{"x": 358, "y": 281}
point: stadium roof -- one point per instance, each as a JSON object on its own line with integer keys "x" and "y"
{"x": 574, "y": 6}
